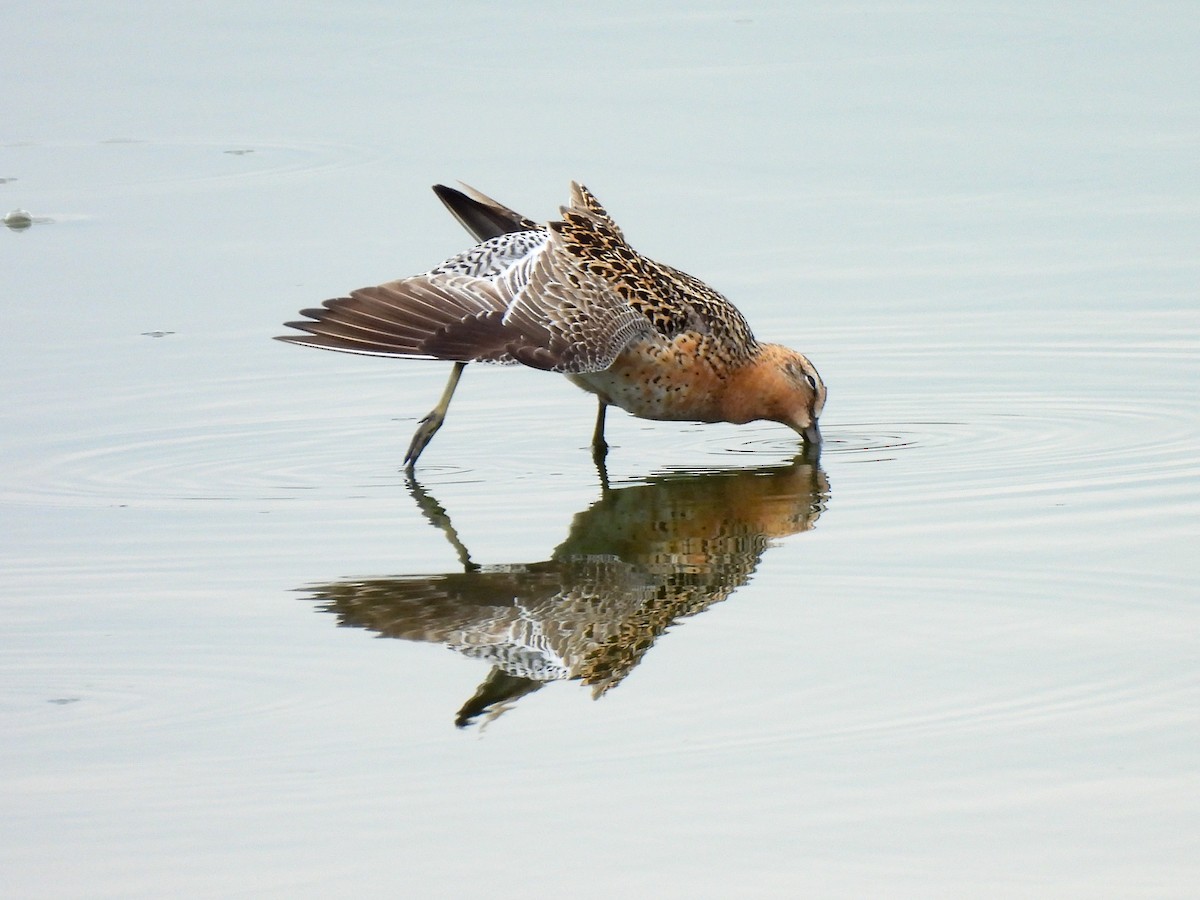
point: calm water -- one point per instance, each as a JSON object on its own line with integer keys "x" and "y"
{"x": 243, "y": 655}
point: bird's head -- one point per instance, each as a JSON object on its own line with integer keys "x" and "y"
{"x": 780, "y": 386}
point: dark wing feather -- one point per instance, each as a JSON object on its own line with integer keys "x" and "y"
{"x": 431, "y": 317}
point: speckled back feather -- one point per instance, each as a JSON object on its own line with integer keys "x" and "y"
{"x": 672, "y": 301}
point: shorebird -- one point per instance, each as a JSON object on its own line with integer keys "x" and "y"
{"x": 571, "y": 296}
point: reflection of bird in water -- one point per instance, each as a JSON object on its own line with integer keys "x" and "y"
{"x": 636, "y": 561}
{"x": 573, "y": 297}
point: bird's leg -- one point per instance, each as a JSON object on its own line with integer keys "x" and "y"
{"x": 432, "y": 422}
{"x": 599, "y": 445}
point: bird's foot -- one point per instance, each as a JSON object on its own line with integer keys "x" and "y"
{"x": 426, "y": 429}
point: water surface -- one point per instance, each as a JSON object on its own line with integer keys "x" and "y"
{"x": 955, "y": 656}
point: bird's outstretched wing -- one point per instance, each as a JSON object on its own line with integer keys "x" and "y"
{"x": 567, "y": 297}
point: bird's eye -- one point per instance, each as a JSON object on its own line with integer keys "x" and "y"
{"x": 812, "y": 382}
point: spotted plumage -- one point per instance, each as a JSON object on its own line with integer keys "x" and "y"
{"x": 574, "y": 297}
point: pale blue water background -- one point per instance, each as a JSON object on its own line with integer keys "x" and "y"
{"x": 978, "y": 675}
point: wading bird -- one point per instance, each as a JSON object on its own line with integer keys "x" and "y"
{"x": 571, "y": 296}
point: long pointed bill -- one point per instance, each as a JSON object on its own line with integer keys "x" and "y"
{"x": 812, "y": 435}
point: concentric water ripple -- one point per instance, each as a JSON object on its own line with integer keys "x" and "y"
{"x": 983, "y": 444}
{"x": 204, "y": 461}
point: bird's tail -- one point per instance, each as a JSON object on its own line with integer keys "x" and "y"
{"x": 482, "y": 216}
